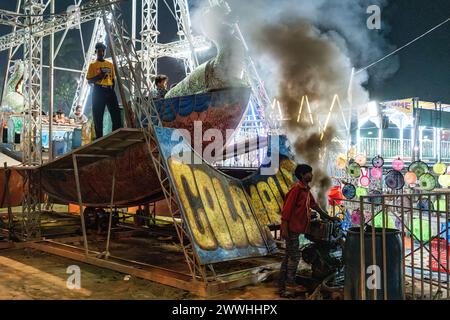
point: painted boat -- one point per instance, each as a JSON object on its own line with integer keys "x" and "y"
{"x": 136, "y": 180}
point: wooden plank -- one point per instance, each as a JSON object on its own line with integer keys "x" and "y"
{"x": 6, "y": 245}
{"x": 156, "y": 274}
{"x": 126, "y": 137}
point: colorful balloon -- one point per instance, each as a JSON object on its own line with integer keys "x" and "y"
{"x": 361, "y": 160}
{"x": 410, "y": 177}
{"x": 376, "y": 173}
{"x": 394, "y": 180}
{"x": 427, "y": 182}
{"x": 356, "y": 217}
{"x": 354, "y": 170}
{"x": 364, "y": 181}
{"x": 439, "y": 168}
{"x": 398, "y": 164}
{"x": 419, "y": 168}
{"x": 361, "y": 192}
{"x": 378, "y": 162}
{"x": 349, "y": 191}
{"x": 444, "y": 180}
{"x": 335, "y": 195}
{"x": 341, "y": 161}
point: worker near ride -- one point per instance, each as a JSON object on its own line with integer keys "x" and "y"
{"x": 161, "y": 81}
{"x": 101, "y": 75}
{"x": 295, "y": 220}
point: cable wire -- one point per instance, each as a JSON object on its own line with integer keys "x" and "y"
{"x": 401, "y": 48}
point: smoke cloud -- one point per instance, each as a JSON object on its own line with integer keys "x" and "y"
{"x": 308, "y": 48}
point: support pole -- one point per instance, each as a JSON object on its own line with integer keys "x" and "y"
{"x": 80, "y": 202}
{"x": 8, "y": 200}
{"x": 51, "y": 83}
{"x": 111, "y": 207}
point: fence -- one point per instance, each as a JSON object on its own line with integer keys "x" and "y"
{"x": 422, "y": 220}
{"x": 391, "y": 148}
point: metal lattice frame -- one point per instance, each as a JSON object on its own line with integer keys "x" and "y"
{"x": 32, "y": 142}
{"x": 185, "y": 34}
{"x": 130, "y": 76}
{"x": 31, "y": 208}
{"x": 32, "y": 129}
{"x": 45, "y": 27}
{"x": 149, "y": 37}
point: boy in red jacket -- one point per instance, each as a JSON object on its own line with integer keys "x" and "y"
{"x": 295, "y": 220}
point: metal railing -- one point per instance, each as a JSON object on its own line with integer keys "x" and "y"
{"x": 427, "y": 149}
{"x": 423, "y": 221}
{"x": 369, "y": 146}
{"x": 391, "y": 148}
{"x": 445, "y": 150}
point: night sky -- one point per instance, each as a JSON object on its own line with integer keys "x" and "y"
{"x": 424, "y": 69}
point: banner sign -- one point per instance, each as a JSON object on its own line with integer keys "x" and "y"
{"x": 267, "y": 192}
{"x": 216, "y": 209}
{"x": 405, "y": 106}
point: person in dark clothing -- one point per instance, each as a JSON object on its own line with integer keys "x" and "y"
{"x": 101, "y": 75}
{"x": 160, "y": 92}
{"x": 295, "y": 220}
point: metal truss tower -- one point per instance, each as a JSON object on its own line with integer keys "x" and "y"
{"x": 131, "y": 75}
{"x": 32, "y": 153}
{"x": 32, "y": 141}
{"x": 149, "y": 39}
{"x": 151, "y": 49}
{"x": 184, "y": 32}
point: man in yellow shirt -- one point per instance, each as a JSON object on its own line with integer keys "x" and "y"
{"x": 101, "y": 75}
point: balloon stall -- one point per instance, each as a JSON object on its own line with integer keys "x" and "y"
{"x": 373, "y": 178}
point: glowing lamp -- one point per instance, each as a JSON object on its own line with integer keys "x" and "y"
{"x": 439, "y": 168}
{"x": 444, "y": 180}
{"x": 376, "y": 173}
{"x": 410, "y": 177}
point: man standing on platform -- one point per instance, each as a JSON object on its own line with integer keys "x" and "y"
{"x": 101, "y": 75}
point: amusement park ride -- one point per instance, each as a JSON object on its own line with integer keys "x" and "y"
{"x": 125, "y": 154}
{"x": 216, "y": 218}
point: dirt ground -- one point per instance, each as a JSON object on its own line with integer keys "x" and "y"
{"x": 34, "y": 275}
